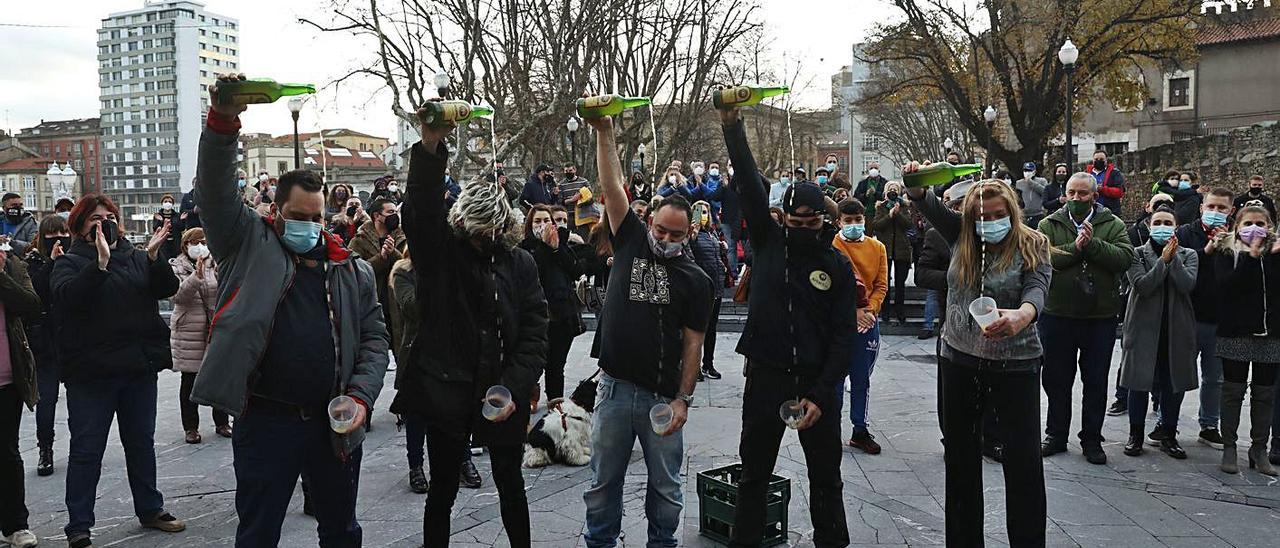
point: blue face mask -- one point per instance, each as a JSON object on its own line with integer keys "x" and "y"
{"x": 822, "y": 179}
{"x": 300, "y": 236}
{"x": 1161, "y": 234}
{"x": 994, "y": 232}
{"x": 1213, "y": 218}
{"x": 240, "y": 183}
{"x": 831, "y": 166}
{"x": 785, "y": 181}
{"x": 852, "y": 231}
{"x": 1183, "y": 185}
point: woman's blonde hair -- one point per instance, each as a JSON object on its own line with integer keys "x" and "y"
{"x": 1022, "y": 240}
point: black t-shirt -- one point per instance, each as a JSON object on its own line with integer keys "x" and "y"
{"x": 648, "y": 304}
{"x": 300, "y": 364}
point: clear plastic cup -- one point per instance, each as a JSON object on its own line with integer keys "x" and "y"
{"x": 660, "y": 416}
{"x": 791, "y": 412}
{"x": 984, "y": 311}
{"x": 495, "y": 400}
{"x": 342, "y": 414}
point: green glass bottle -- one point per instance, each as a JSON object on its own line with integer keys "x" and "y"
{"x": 940, "y": 173}
{"x": 608, "y": 105}
{"x": 442, "y": 113}
{"x": 258, "y": 90}
{"x": 744, "y": 96}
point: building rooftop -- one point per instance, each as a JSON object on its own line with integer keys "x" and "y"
{"x": 341, "y": 157}
{"x": 1243, "y": 31}
{"x": 26, "y": 164}
{"x": 61, "y": 127}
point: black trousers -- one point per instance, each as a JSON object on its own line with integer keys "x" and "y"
{"x": 13, "y": 505}
{"x": 1015, "y": 399}
{"x": 709, "y": 342}
{"x": 762, "y": 431}
{"x": 446, "y": 451}
{"x": 560, "y": 335}
{"x": 898, "y": 271}
{"x": 191, "y": 411}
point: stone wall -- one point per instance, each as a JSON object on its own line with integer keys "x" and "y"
{"x": 1225, "y": 159}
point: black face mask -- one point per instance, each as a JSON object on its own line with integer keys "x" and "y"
{"x": 351, "y": 211}
{"x": 392, "y": 223}
{"x": 1255, "y": 192}
{"x": 1060, "y": 177}
{"x": 892, "y": 196}
{"x": 804, "y": 240}
{"x": 570, "y": 176}
{"x": 548, "y": 179}
{"x": 49, "y": 242}
{"x": 110, "y": 231}
{"x": 1100, "y": 165}
{"x": 13, "y": 212}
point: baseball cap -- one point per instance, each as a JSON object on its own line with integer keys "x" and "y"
{"x": 542, "y": 168}
{"x": 804, "y": 194}
{"x": 1029, "y": 166}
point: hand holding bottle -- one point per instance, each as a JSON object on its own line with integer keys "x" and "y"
{"x": 226, "y": 111}
{"x": 432, "y": 136}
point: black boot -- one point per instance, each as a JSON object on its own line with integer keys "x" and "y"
{"x": 45, "y": 466}
{"x": 1169, "y": 445}
{"x": 1133, "y": 447}
{"x": 469, "y": 476}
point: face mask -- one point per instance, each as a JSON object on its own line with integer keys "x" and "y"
{"x": 1255, "y": 191}
{"x": 731, "y": 172}
{"x": 393, "y": 188}
{"x": 892, "y": 195}
{"x": 1028, "y": 175}
{"x": 994, "y": 232}
{"x": 392, "y": 223}
{"x": 714, "y": 172}
{"x": 13, "y": 212}
{"x": 1079, "y": 208}
{"x": 300, "y": 236}
{"x": 167, "y": 206}
{"x": 1252, "y": 233}
{"x": 351, "y": 211}
{"x": 1060, "y": 177}
{"x": 569, "y": 176}
{"x": 240, "y": 183}
{"x": 873, "y": 172}
{"x": 548, "y": 180}
{"x": 271, "y": 189}
{"x": 562, "y": 224}
{"x": 671, "y": 179}
{"x": 341, "y": 195}
{"x": 785, "y": 181}
{"x": 822, "y": 179}
{"x": 663, "y": 248}
{"x": 110, "y": 231}
{"x": 804, "y": 239}
{"x": 198, "y": 251}
{"x": 852, "y": 231}
{"x": 539, "y": 230}
{"x": 1213, "y": 218}
{"x": 1099, "y": 165}
{"x": 1183, "y": 185}
{"x": 698, "y": 171}
{"x": 831, "y": 166}
{"x": 262, "y": 177}
{"x": 64, "y": 214}
{"x": 1161, "y": 234}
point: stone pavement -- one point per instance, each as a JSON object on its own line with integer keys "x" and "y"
{"x": 893, "y": 499}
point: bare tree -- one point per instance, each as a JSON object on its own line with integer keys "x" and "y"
{"x": 911, "y": 124}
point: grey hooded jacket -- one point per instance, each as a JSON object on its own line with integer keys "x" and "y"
{"x": 254, "y": 270}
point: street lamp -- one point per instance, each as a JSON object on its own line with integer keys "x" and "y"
{"x": 68, "y": 180}
{"x": 572, "y": 126}
{"x": 640, "y": 149}
{"x": 442, "y": 84}
{"x": 295, "y": 106}
{"x": 54, "y": 175}
{"x": 1068, "y": 56}
{"x": 947, "y": 144}
{"x": 990, "y": 116}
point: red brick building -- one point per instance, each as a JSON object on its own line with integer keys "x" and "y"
{"x": 77, "y": 142}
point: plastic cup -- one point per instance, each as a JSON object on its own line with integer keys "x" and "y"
{"x": 791, "y": 412}
{"x": 984, "y": 311}
{"x": 660, "y": 416}
{"x": 342, "y": 414}
{"x": 495, "y": 401}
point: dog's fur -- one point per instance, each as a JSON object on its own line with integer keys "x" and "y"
{"x": 564, "y": 434}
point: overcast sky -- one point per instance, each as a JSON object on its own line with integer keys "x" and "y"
{"x": 51, "y": 73}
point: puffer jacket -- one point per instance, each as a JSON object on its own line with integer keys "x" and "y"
{"x": 193, "y": 307}
{"x": 254, "y": 272}
{"x": 891, "y": 230}
{"x": 405, "y": 319}
{"x": 24, "y": 235}
{"x": 20, "y": 302}
{"x": 1249, "y": 288}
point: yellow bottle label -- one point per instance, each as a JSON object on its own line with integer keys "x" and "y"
{"x": 454, "y": 112}
{"x": 736, "y": 95}
{"x": 597, "y": 101}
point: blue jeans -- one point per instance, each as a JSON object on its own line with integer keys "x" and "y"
{"x": 1210, "y": 374}
{"x": 91, "y": 406}
{"x": 865, "y": 351}
{"x": 622, "y": 415}
{"x": 271, "y": 450}
{"x": 47, "y": 385}
{"x": 930, "y": 308}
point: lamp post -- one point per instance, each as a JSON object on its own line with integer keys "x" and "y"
{"x": 54, "y": 175}
{"x": 572, "y": 126}
{"x": 990, "y": 116}
{"x": 295, "y": 106}
{"x": 442, "y": 84}
{"x": 1068, "y": 56}
{"x": 947, "y": 144}
{"x": 640, "y": 150}
{"x": 68, "y": 180}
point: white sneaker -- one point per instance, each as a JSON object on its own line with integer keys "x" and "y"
{"x": 22, "y": 539}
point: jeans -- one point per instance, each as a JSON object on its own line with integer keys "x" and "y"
{"x": 930, "y": 309}
{"x": 91, "y": 406}
{"x": 560, "y": 335}
{"x": 865, "y": 351}
{"x": 622, "y": 415}
{"x": 709, "y": 340}
{"x": 1070, "y": 343}
{"x": 1210, "y": 374}
{"x": 446, "y": 452}
{"x": 271, "y": 449}
{"x": 1162, "y": 389}
{"x": 190, "y": 411}
{"x": 1013, "y": 399}
{"x": 727, "y": 231}
{"x": 48, "y": 386}
{"x": 762, "y": 432}
{"x": 13, "y": 505}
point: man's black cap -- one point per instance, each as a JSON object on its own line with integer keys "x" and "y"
{"x": 800, "y": 195}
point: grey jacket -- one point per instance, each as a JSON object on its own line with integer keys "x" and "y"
{"x": 1155, "y": 285}
{"x": 1032, "y": 194}
{"x": 24, "y": 234}
{"x": 254, "y": 270}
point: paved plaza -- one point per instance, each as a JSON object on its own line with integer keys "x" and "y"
{"x": 892, "y": 499}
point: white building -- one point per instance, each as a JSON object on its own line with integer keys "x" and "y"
{"x": 847, "y": 87}
{"x": 154, "y": 67}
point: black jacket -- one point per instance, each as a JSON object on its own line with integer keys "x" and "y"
{"x": 1204, "y": 298}
{"x": 109, "y": 321}
{"x": 931, "y": 269}
{"x": 41, "y": 330}
{"x": 1051, "y": 195}
{"x": 456, "y": 355}
{"x": 805, "y": 327}
{"x": 1250, "y": 290}
{"x": 558, "y": 269}
{"x": 1267, "y": 203}
{"x": 1186, "y": 202}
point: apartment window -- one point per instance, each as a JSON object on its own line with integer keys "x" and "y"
{"x": 282, "y": 167}
{"x": 869, "y": 142}
{"x": 1179, "y": 90}
{"x": 77, "y": 165}
{"x": 78, "y": 148}
{"x": 57, "y": 150}
{"x": 202, "y": 32}
{"x": 28, "y": 182}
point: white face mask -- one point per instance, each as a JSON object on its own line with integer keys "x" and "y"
{"x": 1028, "y": 175}
{"x": 698, "y": 171}
{"x": 262, "y": 176}
{"x": 198, "y": 251}
{"x": 671, "y": 179}
{"x": 873, "y": 172}
{"x": 731, "y": 171}
{"x": 167, "y": 206}
{"x": 715, "y": 172}
{"x": 393, "y": 188}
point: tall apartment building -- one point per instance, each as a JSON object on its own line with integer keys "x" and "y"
{"x": 154, "y": 67}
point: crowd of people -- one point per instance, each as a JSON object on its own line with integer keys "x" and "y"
{"x": 290, "y": 297}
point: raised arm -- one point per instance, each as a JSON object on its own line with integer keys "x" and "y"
{"x": 225, "y": 217}
{"x": 942, "y": 218}
{"x": 610, "y": 169}
{"x": 423, "y": 213}
{"x": 746, "y": 181}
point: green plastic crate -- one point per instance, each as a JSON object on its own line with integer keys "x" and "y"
{"x": 718, "y": 495}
